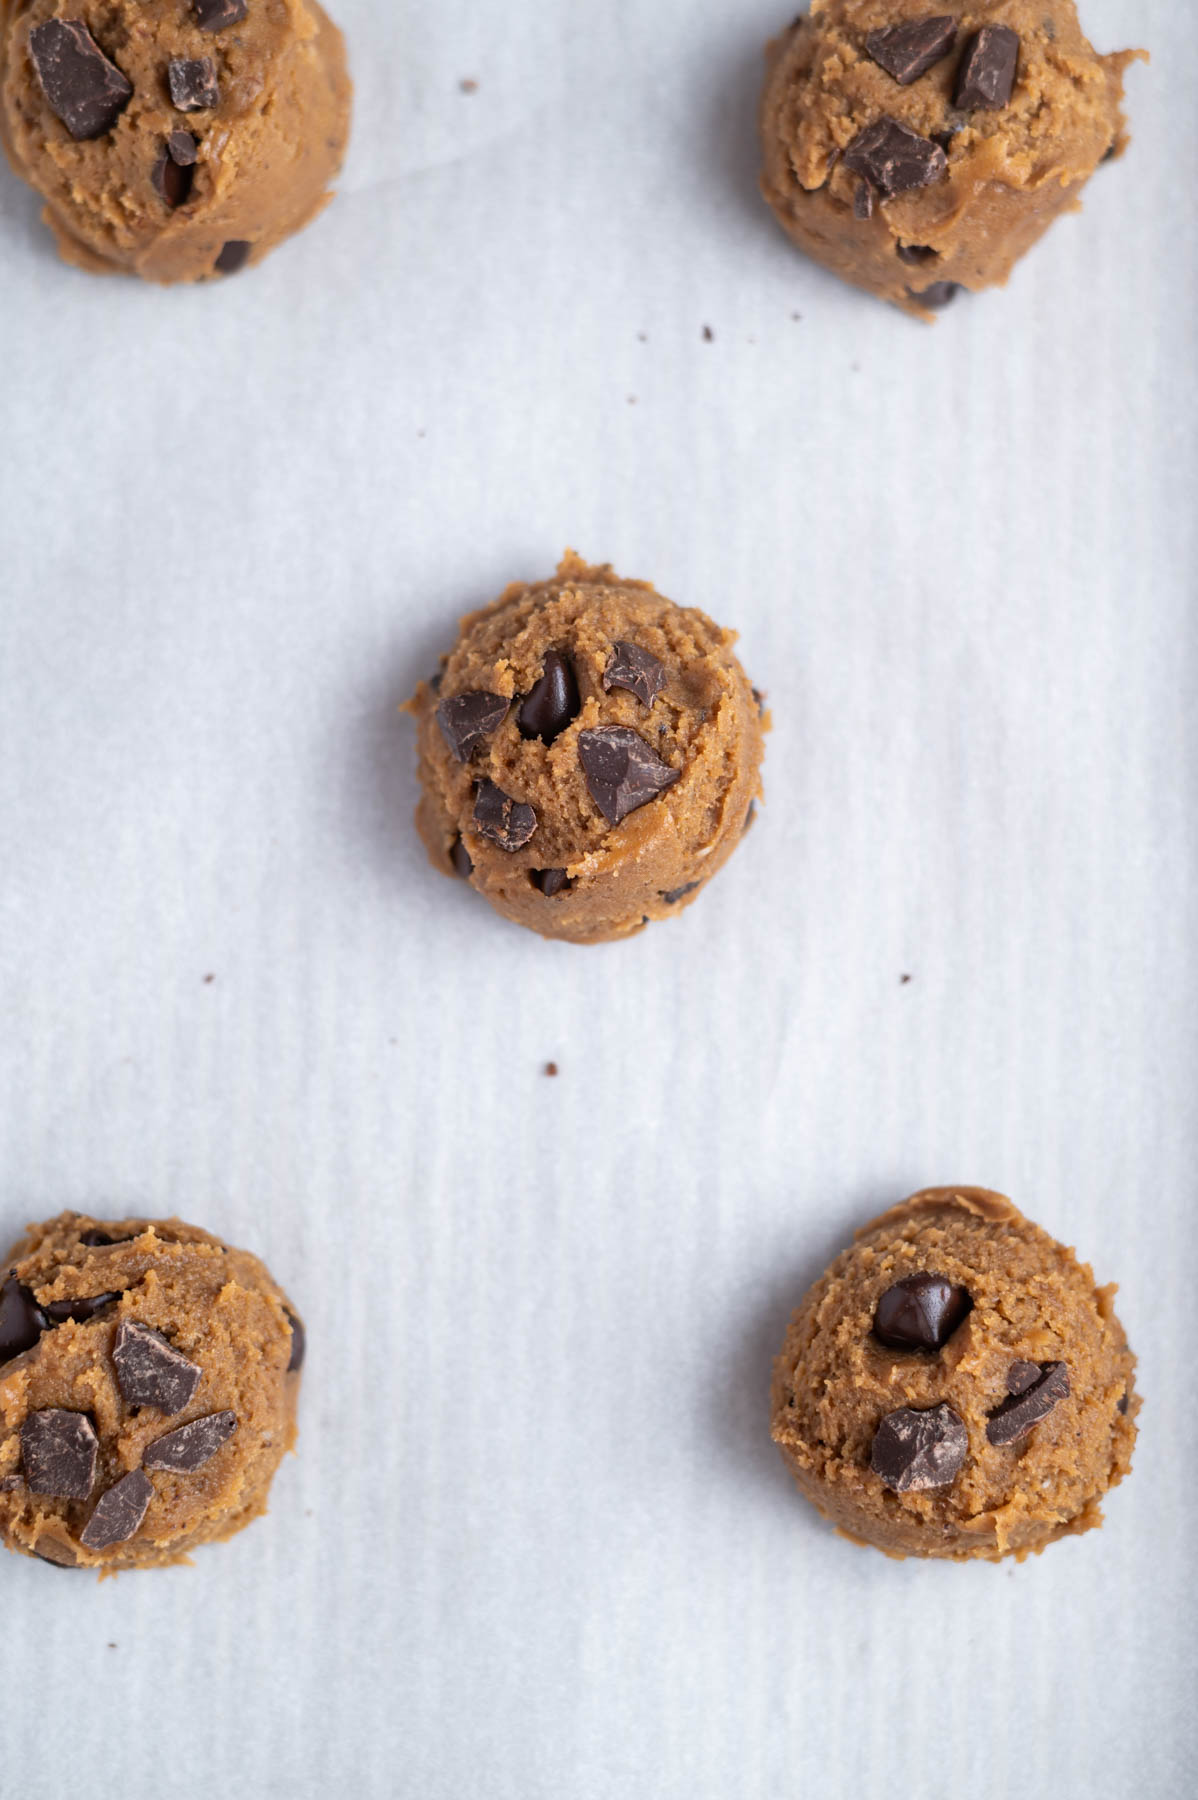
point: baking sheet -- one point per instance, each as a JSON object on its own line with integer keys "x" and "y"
{"x": 536, "y": 1541}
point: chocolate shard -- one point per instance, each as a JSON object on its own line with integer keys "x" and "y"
{"x": 183, "y": 148}
{"x": 233, "y": 257}
{"x": 58, "y": 1453}
{"x": 172, "y": 182}
{"x": 551, "y": 881}
{"x": 910, "y": 50}
{"x": 299, "y": 1343}
{"x": 918, "y": 1450}
{"x": 921, "y": 1312}
{"x": 552, "y": 701}
{"x": 940, "y": 294}
{"x": 192, "y": 1445}
{"x": 622, "y": 772}
{"x": 215, "y": 15}
{"x": 1026, "y": 1406}
{"x": 987, "y": 71}
{"x": 679, "y": 893}
{"x": 86, "y": 91}
{"x": 506, "y": 822}
{"x": 194, "y": 83}
{"x": 863, "y": 201}
{"x": 461, "y": 859}
{"x": 119, "y": 1512}
{"x": 466, "y": 719}
{"x": 22, "y": 1320}
{"x": 636, "y": 670}
{"x": 78, "y": 1312}
{"x": 1021, "y": 1375}
{"x": 151, "y": 1372}
{"x": 895, "y": 158}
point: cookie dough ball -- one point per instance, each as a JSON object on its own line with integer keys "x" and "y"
{"x": 914, "y": 150}
{"x": 173, "y": 139}
{"x": 148, "y": 1383}
{"x": 589, "y": 754}
{"x": 956, "y": 1385}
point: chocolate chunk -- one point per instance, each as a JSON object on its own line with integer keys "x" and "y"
{"x": 551, "y": 881}
{"x": 58, "y": 1453}
{"x": 233, "y": 257}
{"x": 151, "y": 1372}
{"x": 22, "y": 1320}
{"x": 916, "y": 253}
{"x": 193, "y": 83}
{"x": 1021, "y": 1375}
{"x": 677, "y": 894}
{"x": 1028, "y": 1405}
{"x": 551, "y": 702}
{"x": 921, "y": 1312}
{"x": 466, "y": 719}
{"x": 621, "y": 771}
{"x": 78, "y": 1312}
{"x": 914, "y": 1450}
{"x": 96, "y": 1240}
{"x": 636, "y": 670}
{"x": 909, "y": 51}
{"x": 506, "y": 822}
{"x": 1125, "y": 1402}
{"x": 987, "y": 71}
{"x": 940, "y": 294}
{"x": 119, "y": 1512}
{"x": 183, "y": 148}
{"x": 214, "y": 15}
{"x": 171, "y": 180}
{"x": 895, "y": 158}
{"x": 863, "y": 201}
{"x": 299, "y": 1343}
{"x": 192, "y": 1445}
{"x": 459, "y": 856}
{"x": 86, "y": 91}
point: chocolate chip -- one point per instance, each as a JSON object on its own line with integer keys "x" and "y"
{"x": 58, "y": 1453}
{"x": 192, "y": 1445}
{"x": 551, "y": 702}
{"x": 636, "y": 670}
{"x": 466, "y": 719}
{"x": 1021, "y": 1375}
{"x": 171, "y": 181}
{"x": 863, "y": 201}
{"x": 96, "y": 1240}
{"x": 921, "y": 1312}
{"x": 1026, "y": 1406}
{"x": 915, "y": 1450}
{"x": 909, "y": 51}
{"x": 987, "y": 71}
{"x": 151, "y": 1372}
{"x": 1124, "y": 1402}
{"x": 621, "y": 771}
{"x": 299, "y": 1343}
{"x": 183, "y": 148}
{"x": 119, "y": 1512}
{"x": 677, "y": 894}
{"x": 916, "y": 253}
{"x": 233, "y": 257}
{"x": 64, "y": 1561}
{"x": 550, "y": 881}
{"x": 86, "y": 91}
{"x": 940, "y": 294}
{"x": 506, "y": 822}
{"x": 895, "y": 158}
{"x": 193, "y": 83}
{"x": 214, "y": 15}
{"x": 78, "y": 1312}
{"x": 460, "y": 857}
{"x": 22, "y": 1320}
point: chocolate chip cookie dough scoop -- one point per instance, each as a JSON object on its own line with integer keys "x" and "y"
{"x": 148, "y": 1384}
{"x": 956, "y": 1384}
{"x": 177, "y": 140}
{"x": 589, "y": 754}
{"x": 916, "y": 149}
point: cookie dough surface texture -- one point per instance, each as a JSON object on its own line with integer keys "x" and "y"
{"x": 956, "y": 1385}
{"x": 177, "y": 140}
{"x": 148, "y": 1384}
{"x": 915, "y": 149}
{"x": 589, "y": 754}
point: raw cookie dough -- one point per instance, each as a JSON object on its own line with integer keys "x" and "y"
{"x": 956, "y": 1385}
{"x": 914, "y": 149}
{"x": 148, "y": 1384}
{"x": 589, "y": 754}
{"x": 173, "y": 139}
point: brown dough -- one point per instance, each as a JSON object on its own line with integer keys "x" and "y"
{"x": 1033, "y": 1303}
{"x": 1009, "y": 172}
{"x": 221, "y": 1310}
{"x": 705, "y": 724}
{"x": 265, "y": 155}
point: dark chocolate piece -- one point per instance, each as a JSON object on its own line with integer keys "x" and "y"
{"x": 916, "y": 253}
{"x": 636, "y": 670}
{"x": 895, "y": 158}
{"x": 863, "y": 201}
{"x": 194, "y": 84}
{"x": 192, "y": 1445}
{"x": 1021, "y": 1375}
{"x": 214, "y": 15}
{"x": 460, "y": 857}
{"x": 921, "y": 1312}
{"x": 233, "y": 257}
{"x": 914, "y": 1450}
{"x": 299, "y": 1343}
{"x": 151, "y": 1372}
{"x": 551, "y": 881}
{"x": 22, "y": 1320}
{"x": 680, "y": 893}
{"x": 183, "y": 148}
{"x": 86, "y": 91}
{"x": 621, "y": 771}
{"x": 172, "y": 180}
{"x": 96, "y": 1240}
{"x": 78, "y": 1312}
{"x": 58, "y": 1453}
{"x": 506, "y": 822}
{"x": 466, "y": 719}
{"x": 119, "y": 1512}
{"x": 940, "y": 294}
{"x": 909, "y": 51}
{"x": 551, "y": 702}
{"x": 987, "y": 71}
{"x": 1026, "y": 1406}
